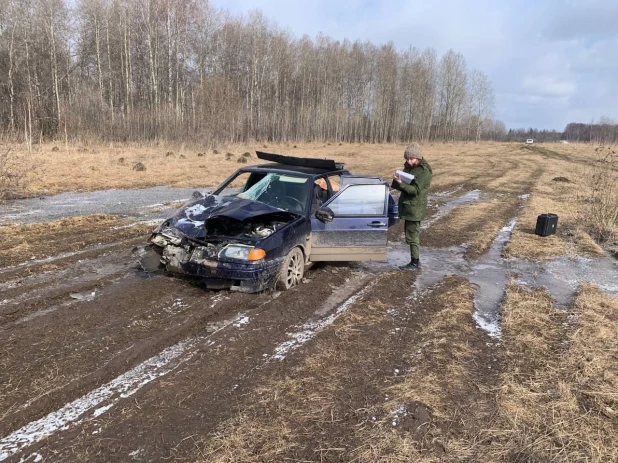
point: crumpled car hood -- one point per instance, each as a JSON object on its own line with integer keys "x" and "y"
{"x": 190, "y": 219}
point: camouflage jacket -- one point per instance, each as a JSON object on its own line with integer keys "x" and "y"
{"x": 413, "y": 199}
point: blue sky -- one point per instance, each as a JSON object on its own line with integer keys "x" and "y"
{"x": 551, "y": 62}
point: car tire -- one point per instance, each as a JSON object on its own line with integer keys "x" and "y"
{"x": 292, "y": 270}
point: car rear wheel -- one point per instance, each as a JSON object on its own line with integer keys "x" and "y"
{"x": 292, "y": 270}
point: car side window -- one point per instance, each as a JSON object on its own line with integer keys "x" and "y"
{"x": 360, "y": 200}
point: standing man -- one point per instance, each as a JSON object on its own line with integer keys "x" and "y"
{"x": 413, "y": 199}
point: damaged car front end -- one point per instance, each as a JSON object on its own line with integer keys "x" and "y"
{"x": 234, "y": 241}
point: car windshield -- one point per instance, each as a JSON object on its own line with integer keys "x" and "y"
{"x": 288, "y": 192}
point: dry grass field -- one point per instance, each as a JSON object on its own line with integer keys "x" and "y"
{"x": 557, "y": 177}
{"x": 397, "y": 375}
{"x": 80, "y": 168}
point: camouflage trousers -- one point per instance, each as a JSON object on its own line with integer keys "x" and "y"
{"x": 413, "y": 230}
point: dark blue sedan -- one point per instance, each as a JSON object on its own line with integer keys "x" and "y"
{"x": 264, "y": 224}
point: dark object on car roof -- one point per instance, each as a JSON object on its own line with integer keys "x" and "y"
{"x": 327, "y": 164}
{"x": 546, "y": 224}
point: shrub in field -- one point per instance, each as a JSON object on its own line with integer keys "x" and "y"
{"x": 13, "y": 174}
{"x": 599, "y": 208}
{"x": 139, "y": 167}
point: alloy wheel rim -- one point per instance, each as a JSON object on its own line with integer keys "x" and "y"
{"x": 294, "y": 270}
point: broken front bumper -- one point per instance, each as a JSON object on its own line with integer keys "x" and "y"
{"x": 202, "y": 262}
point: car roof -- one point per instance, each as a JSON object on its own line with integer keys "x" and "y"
{"x": 303, "y": 170}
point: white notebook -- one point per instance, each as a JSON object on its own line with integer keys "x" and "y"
{"x": 405, "y": 178}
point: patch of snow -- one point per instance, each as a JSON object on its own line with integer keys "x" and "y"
{"x": 194, "y": 223}
{"x": 136, "y": 453}
{"x": 194, "y": 210}
{"x": 217, "y": 298}
{"x": 491, "y": 327}
{"x": 242, "y": 321}
{"x": 150, "y": 222}
{"x": 398, "y": 414}
{"x": 449, "y": 193}
{"x": 177, "y": 306}
{"x": 524, "y": 197}
{"x": 509, "y": 228}
{"x": 99, "y": 411}
{"x": 309, "y": 330}
{"x": 36, "y": 458}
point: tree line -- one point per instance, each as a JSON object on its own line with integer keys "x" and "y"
{"x": 146, "y": 70}
{"x": 603, "y": 132}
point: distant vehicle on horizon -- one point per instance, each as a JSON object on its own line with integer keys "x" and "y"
{"x": 529, "y": 141}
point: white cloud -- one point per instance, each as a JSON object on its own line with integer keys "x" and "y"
{"x": 551, "y": 86}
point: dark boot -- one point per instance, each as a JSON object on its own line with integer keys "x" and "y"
{"x": 414, "y": 264}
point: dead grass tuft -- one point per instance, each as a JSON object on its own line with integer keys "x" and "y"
{"x": 598, "y": 200}
{"x": 16, "y": 170}
{"x": 439, "y": 393}
{"x": 557, "y": 399}
{"x": 139, "y": 167}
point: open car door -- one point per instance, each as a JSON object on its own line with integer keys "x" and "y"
{"x": 353, "y": 224}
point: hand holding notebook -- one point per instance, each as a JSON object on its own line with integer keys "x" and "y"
{"x": 405, "y": 178}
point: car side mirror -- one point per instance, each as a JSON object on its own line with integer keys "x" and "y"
{"x": 325, "y": 214}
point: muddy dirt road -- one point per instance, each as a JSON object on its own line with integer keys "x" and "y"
{"x": 362, "y": 362}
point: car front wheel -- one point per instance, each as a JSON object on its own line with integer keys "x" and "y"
{"x": 292, "y": 270}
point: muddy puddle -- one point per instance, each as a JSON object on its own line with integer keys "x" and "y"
{"x": 146, "y": 203}
{"x": 491, "y": 272}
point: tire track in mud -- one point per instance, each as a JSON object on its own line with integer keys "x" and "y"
{"x": 191, "y": 403}
{"x": 230, "y": 360}
{"x": 64, "y": 258}
{"x": 25, "y": 298}
{"x": 121, "y": 387}
{"x": 83, "y": 345}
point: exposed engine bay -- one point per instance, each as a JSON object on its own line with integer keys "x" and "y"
{"x": 212, "y": 230}
{"x": 258, "y": 227}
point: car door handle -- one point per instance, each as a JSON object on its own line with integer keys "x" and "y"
{"x": 376, "y": 224}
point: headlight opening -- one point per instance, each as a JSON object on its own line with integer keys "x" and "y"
{"x": 242, "y": 252}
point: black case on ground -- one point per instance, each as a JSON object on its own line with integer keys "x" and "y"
{"x": 546, "y": 224}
